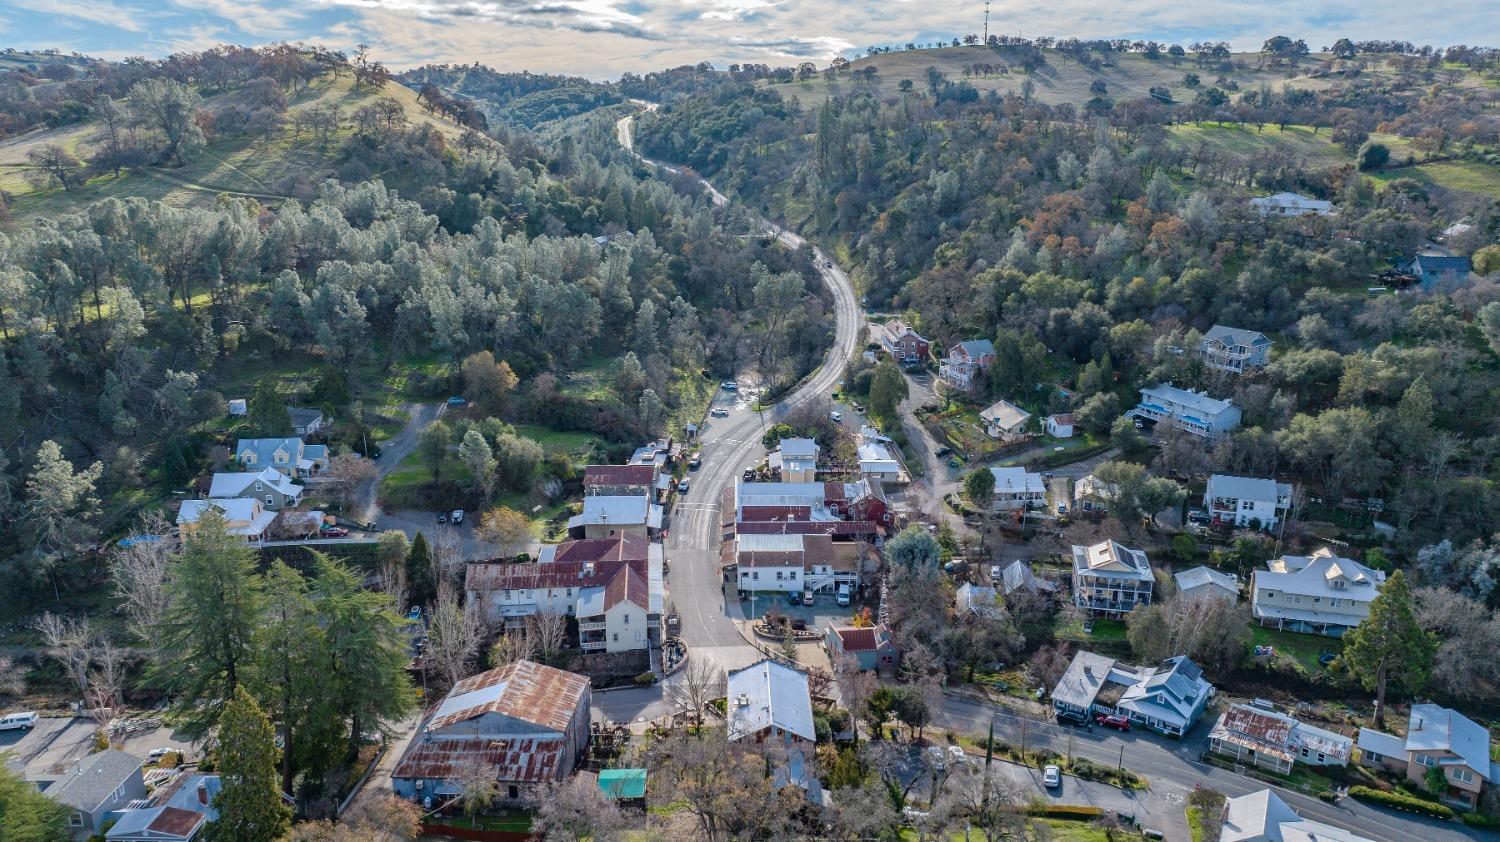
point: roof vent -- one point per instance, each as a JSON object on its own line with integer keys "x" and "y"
{"x": 742, "y": 700}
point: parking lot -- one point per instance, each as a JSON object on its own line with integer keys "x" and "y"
{"x": 56, "y": 742}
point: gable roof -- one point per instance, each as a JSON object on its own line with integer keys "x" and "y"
{"x": 602, "y": 510}
{"x": 1200, "y": 576}
{"x": 1442, "y": 263}
{"x": 596, "y": 475}
{"x": 1236, "y": 336}
{"x": 1112, "y": 558}
{"x": 1017, "y": 575}
{"x": 799, "y": 448}
{"x": 301, "y": 417}
{"x": 625, "y": 546}
{"x": 1017, "y": 480}
{"x": 896, "y": 328}
{"x": 1262, "y": 816}
{"x": 94, "y": 779}
{"x": 1310, "y": 575}
{"x": 527, "y": 759}
{"x": 868, "y": 639}
{"x": 626, "y": 586}
{"x": 1006, "y": 414}
{"x": 977, "y": 348}
{"x": 1061, "y": 419}
{"x": 1436, "y": 728}
{"x": 1083, "y": 679}
{"x": 524, "y": 690}
{"x": 774, "y": 695}
{"x": 1246, "y": 488}
{"x": 264, "y": 448}
{"x": 1189, "y": 400}
{"x": 235, "y": 484}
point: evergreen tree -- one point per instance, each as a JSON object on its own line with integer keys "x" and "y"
{"x": 1390, "y": 647}
{"x": 250, "y": 806}
{"x": 205, "y": 638}
{"x": 979, "y": 487}
{"x": 887, "y": 390}
{"x": 419, "y": 579}
{"x": 367, "y": 651}
{"x": 266, "y": 411}
{"x": 26, "y": 815}
{"x": 290, "y": 676}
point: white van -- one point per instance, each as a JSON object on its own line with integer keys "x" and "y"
{"x": 24, "y": 721}
{"x": 843, "y": 595}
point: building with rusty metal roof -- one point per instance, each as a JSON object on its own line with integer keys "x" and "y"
{"x": 527, "y": 722}
{"x": 1258, "y": 735}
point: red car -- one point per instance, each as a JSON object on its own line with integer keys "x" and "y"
{"x": 335, "y": 532}
{"x": 1119, "y": 723}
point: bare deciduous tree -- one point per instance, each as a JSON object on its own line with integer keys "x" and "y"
{"x": 548, "y": 633}
{"x": 12, "y": 681}
{"x": 574, "y": 810}
{"x": 447, "y": 556}
{"x": 348, "y": 473}
{"x": 987, "y": 801}
{"x": 68, "y": 638}
{"x": 695, "y": 686}
{"x": 106, "y": 679}
{"x": 510, "y": 648}
{"x": 454, "y": 635}
{"x": 141, "y": 571}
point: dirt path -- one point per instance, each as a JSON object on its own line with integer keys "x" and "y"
{"x": 400, "y": 446}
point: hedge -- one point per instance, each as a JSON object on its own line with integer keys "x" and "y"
{"x": 1076, "y": 812}
{"x": 1397, "y": 801}
{"x": 1480, "y": 820}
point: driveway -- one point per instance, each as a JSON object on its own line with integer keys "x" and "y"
{"x": 393, "y": 451}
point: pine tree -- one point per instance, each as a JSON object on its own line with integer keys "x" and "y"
{"x": 367, "y": 651}
{"x": 266, "y": 411}
{"x": 250, "y": 806}
{"x": 419, "y": 579}
{"x": 26, "y": 815}
{"x": 1390, "y": 647}
{"x": 205, "y": 638}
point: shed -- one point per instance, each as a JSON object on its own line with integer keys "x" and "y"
{"x": 623, "y": 784}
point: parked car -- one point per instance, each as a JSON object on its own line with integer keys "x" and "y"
{"x": 858, "y": 407}
{"x": 456, "y": 401}
{"x": 730, "y": 386}
{"x": 22, "y": 721}
{"x": 938, "y": 758}
{"x": 807, "y": 597}
{"x": 335, "y": 532}
{"x": 843, "y": 595}
{"x": 682, "y": 487}
{"x": 696, "y": 462}
{"x": 838, "y": 417}
{"x": 719, "y": 412}
{"x": 442, "y": 517}
{"x": 943, "y": 451}
{"x": 749, "y": 475}
{"x": 956, "y": 754}
{"x": 457, "y": 517}
{"x": 1119, "y": 723}
{"x": 994, "y": 572}
{"x": 157, "y": 753}
{"x": 794, "y": 597}
{"x": 1051, "y": 776}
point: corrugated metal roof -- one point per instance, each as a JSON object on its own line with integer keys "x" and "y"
{"x": 619, "y": 475}
{"x": 493, "y": 576}
{"x": 522, "y": 759}
{"x": 774, "y": 695}
{"x": 626, "y": 585}
{"x": 524, "y": 690}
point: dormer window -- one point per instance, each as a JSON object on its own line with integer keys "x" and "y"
{"x": 1337, "y": 584}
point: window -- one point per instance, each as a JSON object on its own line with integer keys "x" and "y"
{"x": 513, "y": 792}
{"x": 1317, "y": 599}
{"x": 755, "y": 575}
{"x": 270, "y": 501}
{"x": 1337, "y": 584}
{"x": 1426, "y": 760}
{"x": 627, "y": 619}
{"x": 616, "y": 637}
{"x": 1463, "y": 776}
{"x": 778, "y": 575}
{"x": 76, "y": 819}
{"x": 569, "y": 591}
{"x": 792, "y": 575}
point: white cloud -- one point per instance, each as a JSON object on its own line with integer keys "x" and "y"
{"x": 249, "y": 16}
{"x": 94, "y": 11}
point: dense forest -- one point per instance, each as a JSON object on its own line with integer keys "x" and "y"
{"x": 126, "y": 324}
{"x": 1093, "y": 248}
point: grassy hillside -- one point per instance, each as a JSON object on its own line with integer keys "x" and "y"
{"x": 1062, "y": 79}
{"x": 269, "y": 168}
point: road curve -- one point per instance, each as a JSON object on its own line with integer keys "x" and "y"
{"x": 729, "y": 445}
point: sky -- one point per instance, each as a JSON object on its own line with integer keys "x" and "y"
{"x": 601, "y": 39}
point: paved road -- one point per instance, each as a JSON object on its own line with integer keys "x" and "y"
{"x": 1173, "y": 770}
{"x": 728, "y": 445}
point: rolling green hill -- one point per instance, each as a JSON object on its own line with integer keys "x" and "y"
{"x": 270, "y": 168}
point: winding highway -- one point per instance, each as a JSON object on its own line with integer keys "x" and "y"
{"x": 728, "y": 446}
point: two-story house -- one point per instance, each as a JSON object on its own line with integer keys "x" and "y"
{"x": 1234, "y": 349}
{"x": 525, "y": 722}
{"x": 1018, "y": 488}
{"x": 905, "y": 345}
{"x": 1194, "y": 412}
{"x": 305, "y": 422}
{"x": 796, "y": 459}
{"x": 1258, "y": 735}
{"x": 97, "y": 788}
{"x": 1005, "y": 421}
{"x": 1111, "y": 579}
{"x": 290, "y": 456}
{"x": 846, "y": 510}
{"x": 246, "y": 517}
{"x": 273, "y": 488}
{"x": 1246, "y": 501}
{"x": 1320, "y": 593}
{"x": 869, "y": 647}
{"x": 177, "y": 812}
{"x": 964, "y": 363}
{"x": 619, "y": 480}
{"x": 1262, "y": 816}
{"x": 795, "y": 562}
{"x": 1167, "y": 698}
{"x": 606, "y": 516}
{"x": 1436, "y": 738}
{"x": 616, "y": 617}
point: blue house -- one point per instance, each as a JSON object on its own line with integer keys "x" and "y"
{"x": 1432, "y": 269}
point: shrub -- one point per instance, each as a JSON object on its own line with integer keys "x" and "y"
{"x": 1397, "y": 801}
{"x": 1480, "y": 820}
{"x": 645, "y": 679}
{"x": 1076, "y": 812}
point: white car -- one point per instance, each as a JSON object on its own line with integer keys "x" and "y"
{"x": 457, "y": 517}
{"x": 994, "y": 572}
{"x": 838, "y": 417}
{"x": 19, "y": 721}
{"x": 719, "y": 412}
{"x": 157, "y": 753}
{"x": 730, "y": 386}
{"x": 937, "y": 757}
{"x": 956, "y": 754}
{"x": 1051, "y": 777}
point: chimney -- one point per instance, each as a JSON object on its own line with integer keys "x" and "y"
{"x": 202, "y": 792}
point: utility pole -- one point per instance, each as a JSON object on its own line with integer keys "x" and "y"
{"x": 986, "y": 22}
{"x": 1121, "y": 766}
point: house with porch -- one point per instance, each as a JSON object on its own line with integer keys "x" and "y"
{"x": 1005, "y": 421}
{"x": 796, "y": 562}
{"x": 290, "y": 456}
{"x": 1184, "y": 409}
{"x": 1258, "y": 735}
{"x": 1436, "y": 738}
{"x": 1018, "y": 488}
{"x": 1320, "y": 593}
{"x": 526, "y": 722}
{"x": 1246, "y": 502}
{"x": 871, "y": 647}
{"x": 246, "y": 517}
{"x": 1233, "y": 349}
{"x": 964, "y": 363}
{"x": 96, "y": 788}
{"x": 1111, "y": 579}
{"x": 617, "y": 616}
{"x": 1167, "y": 698}
{"x": 1434, "y": 270}
{"x": 305, "y": 422}
{"x": 273, "y": 488}
{"x": 176, "y": 812}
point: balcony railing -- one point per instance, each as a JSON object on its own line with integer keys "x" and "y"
{"x": 592, "y": 626}
{"x": 591, "y": 645}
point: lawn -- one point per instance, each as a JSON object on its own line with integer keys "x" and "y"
{"x": 1195, "y": 824}
{"x": 1315, "y": 147}
{"x": 1300, "y": 649}
{"x": 572, "y": 442}
{"x": 1468, "y": 176}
